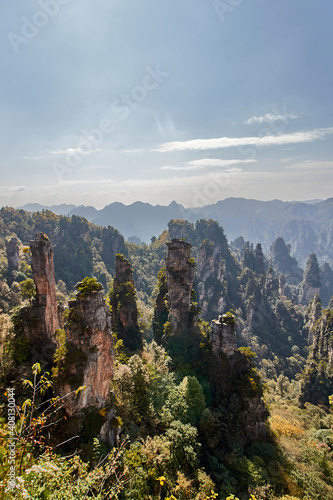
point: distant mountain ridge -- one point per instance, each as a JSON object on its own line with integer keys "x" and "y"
{"x": 306, "y": 226}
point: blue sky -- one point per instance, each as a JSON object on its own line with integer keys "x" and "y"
{"x": 192, "y": 100}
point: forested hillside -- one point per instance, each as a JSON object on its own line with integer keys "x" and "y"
{"x": 207, "y": 365}
{"x": 305, "y": 226}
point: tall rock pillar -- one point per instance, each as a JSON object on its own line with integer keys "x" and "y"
{"x": 180, "y": 278}
{"x": 43, "y": 274}
{"x": 123, "y": 303}
{"x": 13, "y": 253}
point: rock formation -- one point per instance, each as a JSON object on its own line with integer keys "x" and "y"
{"x": 222, "y": 335}
{"x": 40, "y": 321}
{"x": 311, "y": 280}
{"x": 123, "y": 303}
{"x": 282, "y": 262}
{"x": 312, "y": 315}
{"x": 210, "y": 272}
{"x": 316, "y": 386}
{"x": 259, "y": 265}
{"x": 180, "y": 278}
{"x": 43, "y": 274}
{"x": 112, "y": 244}
{"x": 161, "y": 309}
{"x": 13, "y": 253}
{"x": 326, "y": 278}
{"x": 81, "y": 333}
{"x": 89, "y": 360}
{"x": 234, "y": 379}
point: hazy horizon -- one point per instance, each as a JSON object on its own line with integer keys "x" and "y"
{"x": 313, "y": 201}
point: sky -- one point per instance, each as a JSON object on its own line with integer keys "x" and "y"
{"x": 186, "y": 100}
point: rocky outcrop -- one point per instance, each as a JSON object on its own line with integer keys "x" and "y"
{"x": 259, "y": 264}
{"x": 161, "y": 309}
{"x": 13, "y": 253}
{"x": 283, "y": 263}
{"x": 89, "y": 360}
{"x": 311, "y": 280}
{"x": 326, "y": 279}
{"x": 316, "y": 384}
{"x": 222, "y": 335}
{"x": 45, "y": 303}
{"x": 112, "y": 244}
{"x": 123, "y": 303}
{"x": 40, "y": 321}
{"x": 312, "y": 315}
{"x": 180, "y": 278}
{"x": 235, "y": 382}
{"x": 182, "y": 230}
{"x": 210, "y": 272}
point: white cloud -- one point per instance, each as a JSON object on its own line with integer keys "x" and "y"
{"x": 207, "y": 162}
{"x": 269, "y": 118}
{"x": 73, "y": 150}
{"x": 315, "y": 166}
{"x": 228, "y": 142}
{"x": 32, "y": 157}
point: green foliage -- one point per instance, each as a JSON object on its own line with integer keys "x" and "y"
{"x": 87, "y": 286}
{"x": 229, "y": 318}
{"x": 246, "y": 351}
{"x": 28, "y": 289}
{"x": 185, "y": 402}
{"x": 91, "y": 423}
{"x": 20, "y": 348}
{"x": 58, "y": 370}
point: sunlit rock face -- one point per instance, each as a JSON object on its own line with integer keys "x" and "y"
{"x": 89, "y": 363}
{"x": 42, "y": 318}
{"x": 90, "y": 357}
{"x": 43, "y": 273}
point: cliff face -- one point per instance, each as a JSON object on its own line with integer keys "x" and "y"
{"x": 311, "y": 280}
{"x": 13, "y": 253}
{"x": 123, "y": 303}
{"x": 90, "y": 352}
{"x": 235, "y": 382}
{"x": 318, "y": 376}
{"x": 113, "y": 243}
{"x": 282, "y": 262}
{"x": 223, "y": 336}
{"x": 312, "y": 315}
{"x": 180, "y": 278}
{"x": 43, "y": 274}
{"x": 210, "y": 271}
{"x": 41, "y": 320}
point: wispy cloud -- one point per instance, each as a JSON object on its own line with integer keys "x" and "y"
{"x": 137, "y": 150}
{"x": 228, "y": 142}
{"x": 270, "y": 117}
{"x": 315, "y": 166}
{"x": 206, "y": 162}
{"x": 80, "y": 151}
{"x": 32, "y": 157}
